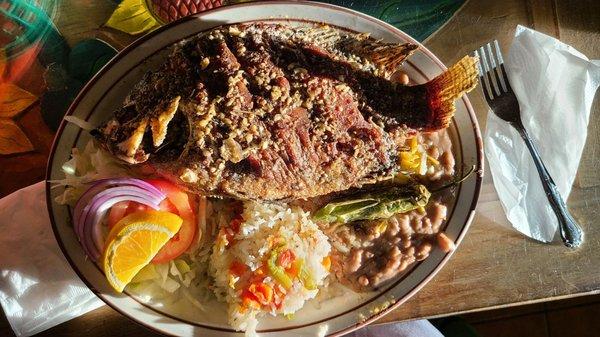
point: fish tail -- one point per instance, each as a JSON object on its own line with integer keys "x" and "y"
{"x": 443, "y": 90}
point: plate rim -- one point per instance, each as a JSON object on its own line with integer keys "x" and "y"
{"x": 479, "y": 169}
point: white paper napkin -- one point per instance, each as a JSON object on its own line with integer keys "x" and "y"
{"x": 38, "y": 288}
{"x": 555, "y": 85}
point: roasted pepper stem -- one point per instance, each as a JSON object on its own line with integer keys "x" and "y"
{"x": 375, "y": 205}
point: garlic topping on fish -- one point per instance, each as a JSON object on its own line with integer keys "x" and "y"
{"x": 269, "y": 111}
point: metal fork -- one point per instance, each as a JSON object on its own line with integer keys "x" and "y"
{"x": 503, "y": 102}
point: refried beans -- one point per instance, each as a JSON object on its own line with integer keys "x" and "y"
{"x": 368, "y": 253}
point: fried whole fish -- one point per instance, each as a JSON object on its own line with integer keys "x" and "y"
{"x": 270, "y": 112}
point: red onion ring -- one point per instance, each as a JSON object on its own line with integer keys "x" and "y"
{"x": 100, "y": 185}
{"x": 94, "y": 203}
{"x": 99, "y": 205}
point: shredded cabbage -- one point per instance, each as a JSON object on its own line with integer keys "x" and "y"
{"x": 414, "y": 160}
{"x": 85, "y": 166}
{"x": 85, "y": 125}
{"x": 180, "y": 282}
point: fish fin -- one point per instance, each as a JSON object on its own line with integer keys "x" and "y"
{"x": 443, "y": 90}
{"x": 322, "y": 35}
{"x": 386, "y": 56}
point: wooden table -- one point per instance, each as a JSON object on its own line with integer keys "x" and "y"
{"x": 495, "y": 266}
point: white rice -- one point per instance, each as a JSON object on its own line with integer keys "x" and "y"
{"x": 264, "y": 228}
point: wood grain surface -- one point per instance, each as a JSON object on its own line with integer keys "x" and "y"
{"x": 494, "y": 266}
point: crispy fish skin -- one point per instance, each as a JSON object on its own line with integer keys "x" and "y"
{"x": 271, "y": 112}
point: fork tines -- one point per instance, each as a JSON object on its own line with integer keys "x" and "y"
{"x": 492, "y": 75}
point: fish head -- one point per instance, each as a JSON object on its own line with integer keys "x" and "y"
{"x": 135, "y": 137}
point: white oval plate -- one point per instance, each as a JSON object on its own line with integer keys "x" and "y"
{"x": 105, "y": 92}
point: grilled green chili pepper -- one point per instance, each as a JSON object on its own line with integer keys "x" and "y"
{"x": 375, "y": 205}
{"x": 278, "y": 272}
{"x": 305, "y": 277}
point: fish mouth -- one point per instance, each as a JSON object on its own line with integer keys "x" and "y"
{"x": 175, "y": 141}
{"x": 138, "y": 140}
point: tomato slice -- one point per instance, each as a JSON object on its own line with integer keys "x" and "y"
{"x": 124, "y": 208}
{"x": 237, "y": 268}
{"x": 135, "y": 207}
{"x": 286, "y": 258}
{"x": 177, "y": 202}
{"x": 117, "y": 212}
{"x": 185, "y": 209}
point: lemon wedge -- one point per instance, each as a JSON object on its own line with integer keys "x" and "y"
{"x": 134, "y": 241}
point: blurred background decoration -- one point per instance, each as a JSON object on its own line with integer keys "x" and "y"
{"x": 23, "y": 27}
{"x": 50, "y": 48}
{"x": 24, "y": 24}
